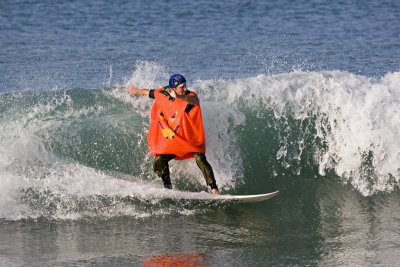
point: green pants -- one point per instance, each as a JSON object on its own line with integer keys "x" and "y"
{"x": 161, "y": 168}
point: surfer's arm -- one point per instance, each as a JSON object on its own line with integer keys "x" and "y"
{"x": 134, "y": 91}
{"x": 191, "y": 99}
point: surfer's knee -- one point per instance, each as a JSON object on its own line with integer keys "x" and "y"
{"x": 200, "y": 157}
{"x": 202, "y": 162}
{"x": 206, "y": 169}
{"x": 158, "y": 165}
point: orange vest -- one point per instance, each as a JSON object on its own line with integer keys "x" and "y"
{"x": 172, "y": 130}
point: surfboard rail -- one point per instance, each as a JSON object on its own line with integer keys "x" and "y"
{"x": 204, "y": 196}
{"x": 246, "y": 198}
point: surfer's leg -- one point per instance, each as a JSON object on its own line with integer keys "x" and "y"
{"x": 161, "y": 168}
{"x": 206, "y": 169}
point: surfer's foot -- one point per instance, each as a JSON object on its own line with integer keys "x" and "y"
{"x": 168, "y": 186}
{"x": 215, "y": 191}
{"x": 167, "y": 182}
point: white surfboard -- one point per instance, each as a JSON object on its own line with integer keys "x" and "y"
{"x": 207, "y": 196}
{"x": 245, "y": 198}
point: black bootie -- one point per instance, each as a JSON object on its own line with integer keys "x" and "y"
{"x": 167, "y": 181}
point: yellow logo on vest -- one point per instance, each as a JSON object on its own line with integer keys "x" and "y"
{"x": 166, "y": 127}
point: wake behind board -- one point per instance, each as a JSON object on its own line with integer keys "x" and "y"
{"x": 234, "y": 198}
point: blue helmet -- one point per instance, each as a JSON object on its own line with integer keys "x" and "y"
{"x": 176, "y": 80}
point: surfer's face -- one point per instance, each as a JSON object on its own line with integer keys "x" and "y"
{"x": 181, "y": 89}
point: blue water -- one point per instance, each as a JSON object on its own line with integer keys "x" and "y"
{"x": 300, "y": 97}
{"x": 68, "y": 44}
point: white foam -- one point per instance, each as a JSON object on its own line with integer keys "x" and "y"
{"x": 355, "y": 115}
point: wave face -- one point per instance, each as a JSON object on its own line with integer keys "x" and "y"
{"x": 82, "y": 152}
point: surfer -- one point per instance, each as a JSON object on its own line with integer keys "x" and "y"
{"x": 176, "y": 129}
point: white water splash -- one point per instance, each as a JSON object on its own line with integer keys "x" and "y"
{"x": 356, "y": 116}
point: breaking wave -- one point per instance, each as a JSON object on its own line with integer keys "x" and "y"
{"x": 83, "y": 152}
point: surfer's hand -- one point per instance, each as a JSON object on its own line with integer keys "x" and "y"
{"x": 172, "y": 93}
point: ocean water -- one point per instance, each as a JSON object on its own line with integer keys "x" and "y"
{"x": 301, "y": 97}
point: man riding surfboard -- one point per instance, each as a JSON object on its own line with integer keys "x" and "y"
{"x": 176, "y": 129}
